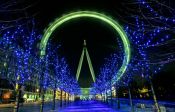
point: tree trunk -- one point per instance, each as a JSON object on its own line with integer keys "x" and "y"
{"x": 54, "y": 95}
{"x": 16, "y": 106}
{"x": 65, "y": 98}
{"x": 117, "y": 96}
{"x": 130, "y": 99}
{"x": 42, "y": 100}
{"x": 111, "y": 95}
{"x": 106, "y": 97}
{"x": 101, "y": 97}
{"x": 61, "y": 98}
{"x": 154, "y": 95}
{"x": 42, "y": 86}
{"x": 68, "y": 98}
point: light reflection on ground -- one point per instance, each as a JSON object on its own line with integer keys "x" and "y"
{"x": 88, "y": 106}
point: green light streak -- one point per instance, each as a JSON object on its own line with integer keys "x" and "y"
{"x": 80, "y": 65}
{"x": 114, "y": 24}
{"x": 90, "y": 65}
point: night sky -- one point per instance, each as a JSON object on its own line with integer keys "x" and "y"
{"x": 101, "y": 39}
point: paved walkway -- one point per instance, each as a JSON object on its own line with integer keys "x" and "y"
{"x": 88, "y": 106}
{"x": 79, "y": 106}
{"x": 83, "y": 106}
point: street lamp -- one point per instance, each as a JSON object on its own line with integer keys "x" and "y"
{"x": 37, "y": 90}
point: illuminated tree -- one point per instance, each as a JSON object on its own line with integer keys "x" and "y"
{"x": 18, "y": 45}
{"x": 149, "y": 37}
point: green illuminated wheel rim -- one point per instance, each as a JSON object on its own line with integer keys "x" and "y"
{"x": 99, "y": 16}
